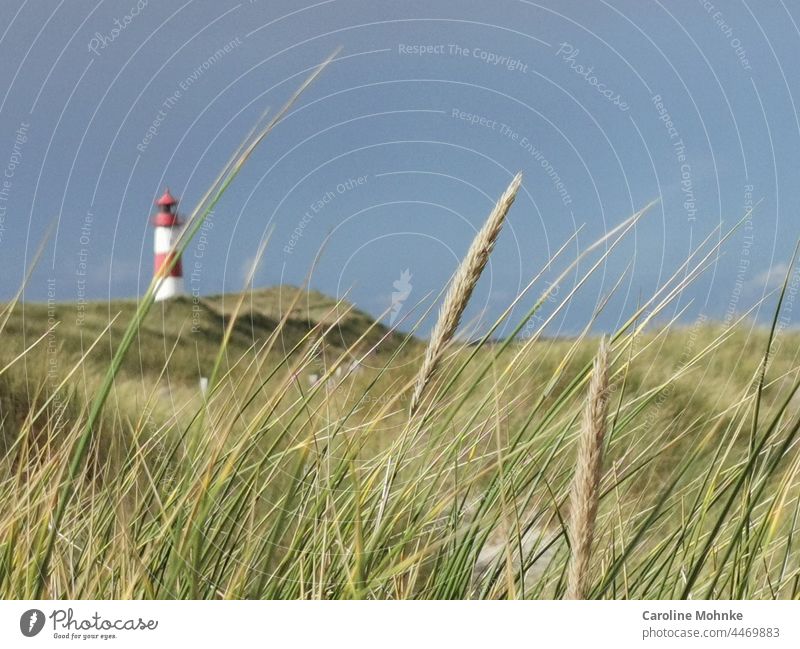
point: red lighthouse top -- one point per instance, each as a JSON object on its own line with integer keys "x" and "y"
{"x": 167, "y": 213}
{"x": 167, "y": 199}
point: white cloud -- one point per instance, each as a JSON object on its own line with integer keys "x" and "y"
{"x": 770, "y": 278}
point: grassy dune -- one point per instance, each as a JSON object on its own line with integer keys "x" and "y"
{"x": 175, "y": 346}
{"x": 276, "y": 486}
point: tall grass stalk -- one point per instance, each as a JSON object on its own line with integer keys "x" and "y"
{"x": 463, "y": 283}
{"x": 585, "y": 492}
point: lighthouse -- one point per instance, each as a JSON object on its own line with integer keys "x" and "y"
{"x": 167, "y": 229}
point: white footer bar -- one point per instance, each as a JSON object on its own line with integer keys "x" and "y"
{"x": 378, "y": 625}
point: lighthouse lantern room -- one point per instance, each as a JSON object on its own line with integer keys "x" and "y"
{"x": 167, "y": 230}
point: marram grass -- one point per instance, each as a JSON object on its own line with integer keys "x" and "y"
{"x": 664, "y": 466}
{"x": 585, "y": 492}
{"x": 455, "y": 301}
{"x": 272, "y": 487}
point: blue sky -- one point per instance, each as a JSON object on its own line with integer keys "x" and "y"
{"x": 398, "y": 152}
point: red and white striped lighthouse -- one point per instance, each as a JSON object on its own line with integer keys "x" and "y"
{"x": 167, "y": 229}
